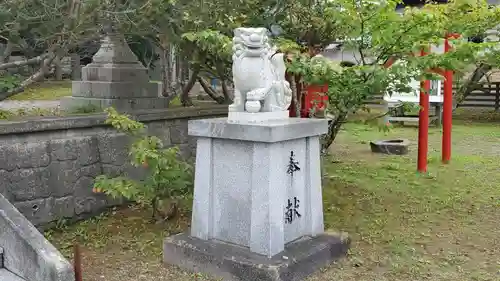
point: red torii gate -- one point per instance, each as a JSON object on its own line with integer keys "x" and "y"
{"x": 423, "y": 118}
{"x": 314, "y": 95}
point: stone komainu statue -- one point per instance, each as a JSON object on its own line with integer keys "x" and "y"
{"x": 258, "y": 73}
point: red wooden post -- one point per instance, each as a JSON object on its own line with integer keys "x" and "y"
{"x": 77, "y": 263}
{"x": 447, "y": 108}
{"x": 423, "y": 124}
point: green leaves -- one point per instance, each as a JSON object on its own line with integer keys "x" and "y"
{"x": 117, "y": 187}
{"x": 376, "y": 33}
{"x": 316, "y": 70}
{"x": 312, "y": 23}
{"x": 167, "y": 175}
{"x": 210, "y": 42}
{"x": 211, "y": 50}
{"x": 370, "y": 29}
{"x": 288, "y": 46}
{"x": 123, "y": 122}
{"x": 9, "y": 82}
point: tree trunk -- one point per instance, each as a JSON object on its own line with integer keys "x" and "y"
{"x": 299, "y": 86}
{"x": 333, "y": 129}
{"x": 39, "y": 75}
{"x": 295, "y": 96}
{"x": 169, "y": 69}
{"x": 471, "y": 83}
{"x": 154, "y": 207}
{"x": 170, "y": 66}
{"x": 4, "y": 58}
{"x": 185, "y": 98}
{"x": 179, "y": 72}
{"x": 58, "y": 71}
{"x": 225, "y": 90}
{"x": 165, "y": 72}
{"x": 16, "y": 64}
{"x": 210, "y": 92}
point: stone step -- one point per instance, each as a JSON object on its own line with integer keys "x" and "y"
{"x": 6, "y": 275}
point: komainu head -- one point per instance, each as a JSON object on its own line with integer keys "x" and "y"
{"x": 251, "y": 40}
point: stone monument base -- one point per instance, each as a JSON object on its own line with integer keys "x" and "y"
{"x": 235, "y": 263}
{"x": 236, "y": 117}
{"x": 117, "y": 79}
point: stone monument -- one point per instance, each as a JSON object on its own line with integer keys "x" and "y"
{"x": 115, "y": 78}
{"x": 257, "y": 210}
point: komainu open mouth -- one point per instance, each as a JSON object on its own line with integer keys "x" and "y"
{"x": 254, "y": 47}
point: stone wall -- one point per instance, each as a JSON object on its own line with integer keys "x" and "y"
{"x": 47, "y": 166}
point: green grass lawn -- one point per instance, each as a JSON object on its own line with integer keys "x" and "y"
{"x": 439, "y": 226}
{"x": 55, "y": 90}
{"x": 48, "y": 90}
{"x": 443, "y": 225}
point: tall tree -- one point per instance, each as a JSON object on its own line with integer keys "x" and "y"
{"x": 48, "y": 28}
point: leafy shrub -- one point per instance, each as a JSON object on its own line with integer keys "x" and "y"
{"x": 9, "y": 82}
{"x": 168, "y": 176}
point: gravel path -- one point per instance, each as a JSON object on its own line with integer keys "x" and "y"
{"x": 13, "y": 104}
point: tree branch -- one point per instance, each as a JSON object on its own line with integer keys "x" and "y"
{"x": 333, "y": 129}
{"x": 296, "y": 94}
{"x": 15, "y": 64}
{"x": 40, "y": 74}
{"x": 471, "y": 83}
{"x": 185, "y": 99}
{"x": 362, "y": 44}
{"x": 225, "y": 90}
{"x": 210, "y": 92}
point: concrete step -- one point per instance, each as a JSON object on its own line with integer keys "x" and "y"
{"x": 8, "y": 276}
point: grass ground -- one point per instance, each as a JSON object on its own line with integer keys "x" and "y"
{"x": 48, "y": 90}
{"x": 443, "y": 225}
{"x": 53, "y": 91}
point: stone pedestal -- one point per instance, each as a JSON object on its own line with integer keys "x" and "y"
{"x": 257, "y": 211}
{"x": 115, "y": 78}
